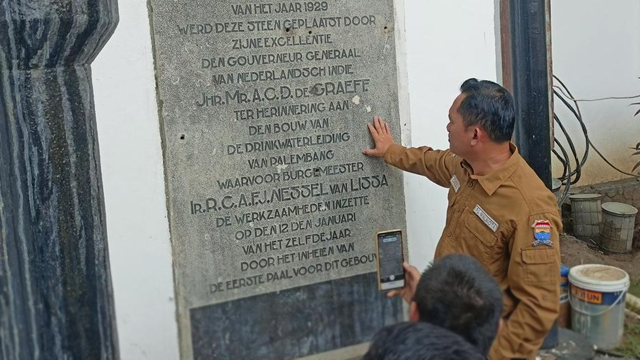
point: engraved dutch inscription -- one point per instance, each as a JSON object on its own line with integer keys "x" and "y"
{"x": 263, "y": 108}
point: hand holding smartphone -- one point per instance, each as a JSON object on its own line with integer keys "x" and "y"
{"x": 390, "y": 257}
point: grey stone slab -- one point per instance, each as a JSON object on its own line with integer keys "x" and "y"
{"x": 264, "y": 108}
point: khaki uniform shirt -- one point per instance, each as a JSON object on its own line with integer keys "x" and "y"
{"x": 497, "y": 219}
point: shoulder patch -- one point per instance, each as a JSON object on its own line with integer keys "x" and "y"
{"x": 542, "y": 233}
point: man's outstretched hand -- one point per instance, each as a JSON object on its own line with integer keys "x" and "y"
{"x": 411, "y": 279}
{"x": 381, "y": 134}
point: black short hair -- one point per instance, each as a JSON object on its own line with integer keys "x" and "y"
{"x": 419, "y": 341}
{"x": 490, "y": 106}
{"x": 458, "y": 294}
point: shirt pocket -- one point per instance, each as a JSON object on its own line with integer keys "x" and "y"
{"x": 540, "y": 266}
{"x": 483, "y": 239}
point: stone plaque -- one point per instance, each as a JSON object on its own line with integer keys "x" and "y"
{"x": 273, "y": 208}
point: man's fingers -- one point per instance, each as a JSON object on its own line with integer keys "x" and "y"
{"x": 372, "y": 152}
{"x": 414, "y": 271}
{"x": 413, "y": 274}
{"x": 378, "y": 125}
{"x": 379, "y": 131}
{"x": 394, "y": 293}
{"x": 374, "y": 132}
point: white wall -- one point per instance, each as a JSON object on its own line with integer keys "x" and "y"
{"x": 596, "y": 53}
{"x": 132, "y": 173}
{"x": 447, "y": 42}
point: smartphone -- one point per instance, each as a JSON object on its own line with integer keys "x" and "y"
{"x": 390, "y": 256}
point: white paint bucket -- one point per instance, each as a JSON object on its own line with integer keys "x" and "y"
{"x": 597, "y": 299}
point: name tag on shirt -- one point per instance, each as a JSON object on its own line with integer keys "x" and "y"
{"x": 455, "y": 183}
{"x": 486, "y": 219}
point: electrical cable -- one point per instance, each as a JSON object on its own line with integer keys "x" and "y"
{"x": 599, "y": 99}
{"x": 562, "y": 161}
{"x": 579, "y": 164}
{"x": 610, "y": 164}
{"x": 578, "y": 115}
{"x": 578, "y": 170}
{"x": 588, "y": 143}
{"x": 567, "y": 186}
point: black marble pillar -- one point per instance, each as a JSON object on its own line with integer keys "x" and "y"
{"x": 530, "y": 76}
{"x": 55, "y": 284}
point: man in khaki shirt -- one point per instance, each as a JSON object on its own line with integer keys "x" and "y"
{"x": 499, "y": 211}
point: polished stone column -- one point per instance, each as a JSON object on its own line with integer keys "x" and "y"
{"x": 55, "y": 285}
{"x": 531, "y": 83}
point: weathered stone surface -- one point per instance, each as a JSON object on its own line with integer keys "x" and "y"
{"x": 299, "y": 321}
{"x": 625, "y": 191}
{"x": 263, "y": 107}
{"x": 55, "y": 286}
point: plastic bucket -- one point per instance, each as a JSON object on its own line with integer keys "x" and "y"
{"x": 597, "y": 300}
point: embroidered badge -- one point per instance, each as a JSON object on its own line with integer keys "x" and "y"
{"x": 492, "y": 224}
{"x": 542, "y": 233}
{"x": 455, "y": 183}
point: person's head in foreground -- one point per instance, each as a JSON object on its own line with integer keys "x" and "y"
{"x": 419, "y": 341}
{"x": 458, "y": 294}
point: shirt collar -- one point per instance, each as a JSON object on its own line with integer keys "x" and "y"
{"x": 491, "y": 182}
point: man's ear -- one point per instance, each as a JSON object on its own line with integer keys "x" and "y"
{"x": 414, "y": 315}
{"x": 500, "y": 325}
{"x": 476, "y": 135}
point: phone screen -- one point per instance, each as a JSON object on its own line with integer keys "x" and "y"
{"x": 390, "y": 258}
